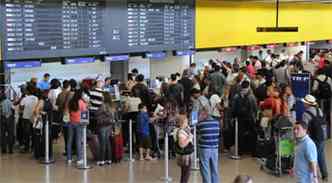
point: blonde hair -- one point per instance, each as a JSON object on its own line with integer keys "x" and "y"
{"x": 181, "y": 119}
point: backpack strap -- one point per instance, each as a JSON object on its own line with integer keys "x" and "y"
{"x": 310, "y": 114}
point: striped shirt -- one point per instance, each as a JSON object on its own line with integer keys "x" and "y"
{"x": 209, "y": 134}
{"x": 96, "y": 99}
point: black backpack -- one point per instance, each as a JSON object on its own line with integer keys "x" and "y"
{"x": 317, "y": 127}
{"x": 324, "y": 89}
{"x": 243, "y": 106}
{"x": 261, "y": 92}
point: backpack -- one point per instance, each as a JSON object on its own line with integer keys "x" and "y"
{"x": 243, "y": 107}
{"x": 317, "y": 127}
{"x": 189, "y": 149}
{"x": 324, "y": 89}
{"x": 261, "y": 92}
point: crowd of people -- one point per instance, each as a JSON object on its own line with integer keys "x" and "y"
{"x": 251, "y": 91}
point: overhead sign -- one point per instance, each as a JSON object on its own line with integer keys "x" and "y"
{"x": 117, "y": 58}
{"x": 22, "y": 64}
{"x": 82, "y": 60}
{"x": 184, "y": 52}
{"x": 156, "y": 55}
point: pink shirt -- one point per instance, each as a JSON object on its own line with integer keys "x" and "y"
{"x": 75, "y": 117}
{"x": 251, "y": 70}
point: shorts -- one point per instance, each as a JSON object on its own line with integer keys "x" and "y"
{"x": 144, "y": 142}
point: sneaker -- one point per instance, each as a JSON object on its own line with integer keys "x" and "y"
{"x": 100, "y": 163}
{"x": 109, "y": 162}
{"x": 69, "y": 162}
{"x": 80, "y": 162}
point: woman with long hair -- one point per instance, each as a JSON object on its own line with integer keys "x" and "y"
{"x": 106, "y": 116}
{"x": 77, "y": 105}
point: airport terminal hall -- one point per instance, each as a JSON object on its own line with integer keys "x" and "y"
{"x": 165, "y": 91}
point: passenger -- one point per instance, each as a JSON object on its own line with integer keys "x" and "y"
{"x": 143, "y": 132}
{"x": 281, "y": 73}
{"x": 244, "y": 109}
{"x": 42, "y": 111}
{"x": 209, "y": 133}
{"x": 62, "y": 106}
{"x": 187, "y": 85}
{"x": 218, "y": 80}
{"x": 184, "y": 140}
{"x": 27, "y": 105}
{"x": 105, "y": 118}
{"x": 44, "y": 84}
{"x": 313, "y": 117}
{"x": 7, "y": 125}
{"x": 305, "y": 162}
{"x": 215, "y": 102}
{"x": 140, "y": 90}
{"x": 175, "y": 91}
{"x": 76, "y": 106}
{"x": 96, "y": 99}
{"x": 56, "y": 116}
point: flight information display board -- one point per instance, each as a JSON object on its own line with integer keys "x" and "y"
{"x": 65, "y": 28}
{"x": 52, "y": 28}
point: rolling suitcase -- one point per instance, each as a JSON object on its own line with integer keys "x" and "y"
{"x": 117, "y": 148}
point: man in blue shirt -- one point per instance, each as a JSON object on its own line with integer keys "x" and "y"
{"x": 208, "y": 144}
{"x": 305, "y": 162}
{"x": 44, "y": 84}
{"x": 143, "y": 132}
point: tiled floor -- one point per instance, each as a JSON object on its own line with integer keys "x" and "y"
{"x": 19, "y": 168}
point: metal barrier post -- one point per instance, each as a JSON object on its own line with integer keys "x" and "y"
{"x": 166, "y": 178}
{"x": 131, "y": 141}
{"x": 236, "y": 153}
{"x": 85, "y": 160}
{"x": 47, "y": 159}
{"x": 195, "y": 165}
{"x": 84, "y": 122}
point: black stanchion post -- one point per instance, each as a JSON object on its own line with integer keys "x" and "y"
{"x": 47, "y": 159}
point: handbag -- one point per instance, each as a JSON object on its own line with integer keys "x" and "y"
{"x": 38, "y": 124}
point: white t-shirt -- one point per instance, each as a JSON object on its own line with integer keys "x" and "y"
{"x": 214, "y": 101}
{"x": 29, "y": 102}
{"x": 133, "y": 103}
{"x": 53, "y": 95}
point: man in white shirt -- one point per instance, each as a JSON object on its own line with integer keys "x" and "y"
{"x": 27, "y": 105}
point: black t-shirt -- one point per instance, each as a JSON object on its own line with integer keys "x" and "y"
{"x": 142, "y": 91}
{"x": 187, "y": 85}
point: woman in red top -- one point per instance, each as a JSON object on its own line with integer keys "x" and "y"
{"x": 76, "y": 106}
{"x": 273, "y": 102}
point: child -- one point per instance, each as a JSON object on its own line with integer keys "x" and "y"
{"x": 143, "y": 132}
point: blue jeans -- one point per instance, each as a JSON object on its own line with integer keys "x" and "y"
{"x": 209, "y": 165}
{"x": 321, "y": 158}
{"x": 105, "y": 151}
{"x": 72, "y": 130}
